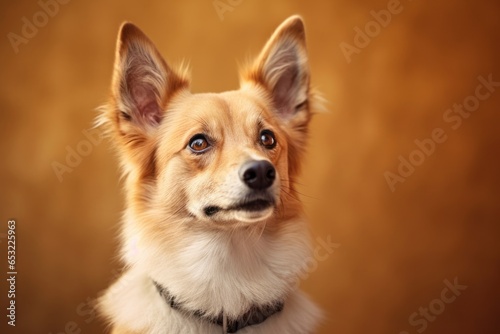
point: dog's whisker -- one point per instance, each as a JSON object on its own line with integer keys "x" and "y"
{"x": 293, "y": 182}
{"x": 261, "y": 232}
{"x": 289, "y": 190}
{"x": 289, "y": 193}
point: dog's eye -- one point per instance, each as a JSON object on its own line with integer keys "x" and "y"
{"x": 267, "y": 139}
{"x": 198, "y": 144}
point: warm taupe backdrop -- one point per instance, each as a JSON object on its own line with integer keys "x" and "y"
{"x": 394, "y": 249}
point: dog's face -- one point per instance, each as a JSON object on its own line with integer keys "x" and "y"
{"x": 217, "y": 160}
{"x": 226, "y": 154}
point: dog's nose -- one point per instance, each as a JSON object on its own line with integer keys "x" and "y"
{"x": 258, "y": 174}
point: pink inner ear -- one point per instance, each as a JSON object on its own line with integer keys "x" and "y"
{"x": 146, "y": 104}
{"x": 285, "y": 74}
{"x": 285, "y": 91}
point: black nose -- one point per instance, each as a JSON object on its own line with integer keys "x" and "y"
{"x": 258, "y": 174}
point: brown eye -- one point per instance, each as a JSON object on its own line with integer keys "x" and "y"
{"x": 198, "y": 144}
{"x": 267, "y": 139}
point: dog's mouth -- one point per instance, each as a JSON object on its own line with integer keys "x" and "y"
{"x": 254, "y": 205}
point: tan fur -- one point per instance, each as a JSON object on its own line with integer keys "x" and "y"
{"x": 234, "y": 259}
{"x": 118, "y": 330}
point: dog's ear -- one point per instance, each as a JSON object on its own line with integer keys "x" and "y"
{"x": 282, "y": 70}
{"x": 142, "y": 85}
{"x": 142, "y": 81}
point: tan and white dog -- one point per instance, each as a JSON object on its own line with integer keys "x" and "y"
{"x": 213, "y": 237}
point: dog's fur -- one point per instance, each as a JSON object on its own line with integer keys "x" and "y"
{"x": 230, "y": 259}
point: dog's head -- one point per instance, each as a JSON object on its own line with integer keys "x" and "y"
{"x": 217, "y": 159}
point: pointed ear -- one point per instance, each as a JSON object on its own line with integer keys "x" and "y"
{"x": 282, "y": 69}
{"x": 142, "y": 82}
{"x": 142, "y": 86}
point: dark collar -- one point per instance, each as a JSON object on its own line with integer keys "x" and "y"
{"x": 254, "y": 316}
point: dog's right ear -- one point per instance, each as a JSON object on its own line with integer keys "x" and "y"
{"x": 142, "y": 81}
{"x": 142, "y": 85}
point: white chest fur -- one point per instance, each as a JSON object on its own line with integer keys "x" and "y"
{"x": 220, "y": 272}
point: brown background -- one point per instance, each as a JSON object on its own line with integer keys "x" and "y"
{"x": 396, "y": 248}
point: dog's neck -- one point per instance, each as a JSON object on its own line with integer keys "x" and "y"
{"x": 257, "y": 314}
{"x": 223, "y": 271}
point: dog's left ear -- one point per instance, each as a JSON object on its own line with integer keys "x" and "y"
{"x": 282, "y": 70}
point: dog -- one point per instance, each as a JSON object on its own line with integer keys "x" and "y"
{"x": 213, "y": 235}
